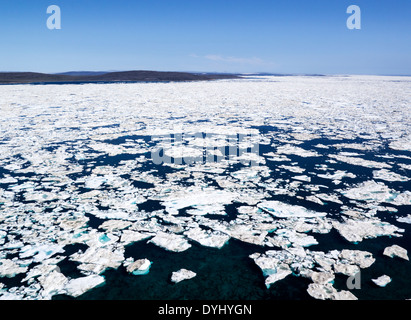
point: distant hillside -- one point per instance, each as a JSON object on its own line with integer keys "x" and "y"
{"x": 82, "y": 73}
{"x": 89, "y": 77}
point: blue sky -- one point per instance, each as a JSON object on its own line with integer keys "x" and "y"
{"x": 285, "y": 36}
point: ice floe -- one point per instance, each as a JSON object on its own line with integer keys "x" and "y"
{"x": 360, "y": 161}
{"x": 328, "y": 292}
{"x": 406, "y": 219}
{"x": 40, "y": 252}
{"x": 207, "y": 238}
{"x": 358, "y": 230}
{"x": 138, "y": 267}
{"x": 77, "y": 287}
{"x": 290, "y": 149}
{"x": 396, "y": 251}
{"x": 182, "y": 274}
{"x": 206, "y": 201}
{"x": 382, "y": 281}
{"x": 272, "y": 268}
{"x": 170, "y": 242}
{"x": 95, "y": 260}
{"x": 9, "y": 268}
{"x": 387, "y": 175}
{"x": 283, "y": 210}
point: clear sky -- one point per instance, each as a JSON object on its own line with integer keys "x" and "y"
{"x": 285, "y": 36}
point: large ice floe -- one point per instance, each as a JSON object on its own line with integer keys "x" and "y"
{"x": 282, "y": 163}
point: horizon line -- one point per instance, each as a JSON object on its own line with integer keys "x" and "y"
{"x": 262, "y": 73}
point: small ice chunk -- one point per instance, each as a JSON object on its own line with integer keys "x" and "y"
{"x": 182, "y": 274}
{"x": 314, "y": 199}
{"x": 387, "y": 175}
{"x": 208, "y": 200}
{"x": 290, "y": 149}
{"x": 294, "y": 169}
{"x": 382, "y": 281}
{"x": 303, "y": 178}
{"x": 139, "y": 267}
{"x": 396, "y": 251}
{"x": 360, "y": 161}
{"x": 8, "y": 180}
{"x": 329, "y": 198}
{"x": 337, "y": 175}
{"x": 406, "y": 219}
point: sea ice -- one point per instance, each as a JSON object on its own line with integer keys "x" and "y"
{"x": 97, "y": 259}
{"x": 403, "y": 198}
{"x": 138, "y": 267}
{"x": 337, "y": 175}
{"x": 290, "y": 149}
{"x": 328, "y": 292}
{"x": 323, "y": 277}
{"x": 129, "y": 236}
{"x": 208, "y": 238}
{"x": 387, "y": 175}
{"x": 371, "y": 191}
{"x": 406, "y": 219}
{"x": 357, "y": 230}
{"x": 363, "y": 259}
{"x": 77, "y": 287}
{"x": 9, "y": 268}
{"x": 360, "y": 162}
{"x": 382, "y": 281}
{"x": 283, "y": 210}
{"x": 198, "y": 199}
{"x": 40, "y": 251}
{"x": 182, "y": 274}
{"x": 170, "y": 242}
{"x": 396, "y": 251}
{"x": 53, "y": 283}
{"x": 272, "y": 268}
{"x": 84, "y": 170}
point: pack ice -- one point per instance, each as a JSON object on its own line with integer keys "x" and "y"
{"x": 279, "y": 161}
